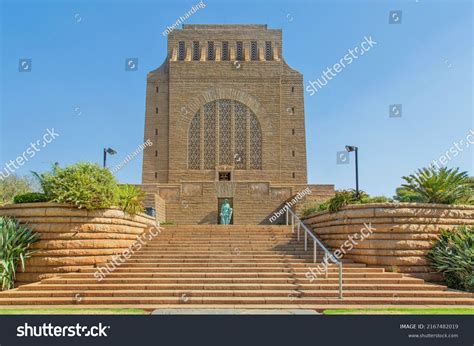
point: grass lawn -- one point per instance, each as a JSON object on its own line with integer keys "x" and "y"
{"x": 33, "y": 311}
{"x": 402, "y": 311}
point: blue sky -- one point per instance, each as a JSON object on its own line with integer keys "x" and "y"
{"x": 78, "y": 84}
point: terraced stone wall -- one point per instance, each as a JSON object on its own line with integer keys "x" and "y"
{"x": 402, "y": 233}
{"x": 71, "y": 238}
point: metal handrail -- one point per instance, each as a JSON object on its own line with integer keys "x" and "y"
{"x": 327, "y": 253}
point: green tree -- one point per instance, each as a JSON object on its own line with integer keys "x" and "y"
{"x": 12, "y": 186}
{"x": 431, "y": 185}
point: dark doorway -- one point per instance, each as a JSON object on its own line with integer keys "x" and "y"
{"x": 220, "y": 201}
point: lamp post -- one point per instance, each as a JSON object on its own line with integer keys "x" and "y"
{"x": 108, "y": 151}
{"x": 353, "y": 148}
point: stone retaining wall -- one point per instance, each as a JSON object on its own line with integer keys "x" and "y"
{"x": 403, "y": 233}
{"x": 72, "y": 238}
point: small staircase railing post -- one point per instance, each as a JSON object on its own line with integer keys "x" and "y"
{"x": 315, "y": 249}
{"x": 340, "y": 280}
{"x": 305, "y": 241}
{"x": 326, "y": 266}
{"x": 327, "y": 254}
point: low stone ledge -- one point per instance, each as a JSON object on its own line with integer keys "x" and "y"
{"x": 402, "y": 235}
{"x": 72, "y": 238}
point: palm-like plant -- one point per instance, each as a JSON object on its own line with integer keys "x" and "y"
{"x": 15, "y": 242}
{"x": 445, "y": 186}
{"x": 130, "y": 199}
{"x": 453, "y": 255}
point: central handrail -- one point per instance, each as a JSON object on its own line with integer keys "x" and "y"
{"x": 316, "y": 242}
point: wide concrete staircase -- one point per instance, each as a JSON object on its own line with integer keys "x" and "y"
{"x": 213, "y": 266}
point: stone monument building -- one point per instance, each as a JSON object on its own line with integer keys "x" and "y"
{"x": 225, "y": 114}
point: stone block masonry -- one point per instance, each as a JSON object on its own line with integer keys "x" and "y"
{"x": 225, "y": 106}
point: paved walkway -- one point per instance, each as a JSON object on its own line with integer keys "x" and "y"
{"x": 234, "y": 312}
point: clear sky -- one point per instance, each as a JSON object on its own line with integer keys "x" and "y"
{"x": 78, "y": 84}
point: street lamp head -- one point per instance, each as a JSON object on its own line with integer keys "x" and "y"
{"x": 110, "y": 151}
{"x": 350, "y": 148}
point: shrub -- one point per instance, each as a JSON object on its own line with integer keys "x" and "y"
{"x": 85, "y": 185}
{"x": 12, "y": 186}
{"x": 404, "y": 195}
{"x": 30, "y": 197}
{"x": 130, "y": 199}
{"x": 376, "y": 199}
{"x": 15, "y": 242}
{"x": 453, "y": 255}
{"x": 431, "y": 185}
{"x": 310, "y": 208}
{"x": 343, "y": 198}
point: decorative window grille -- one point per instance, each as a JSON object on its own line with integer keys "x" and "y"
{"x": 255, "y": 143}
{"x": 225, "y": 51}
{"x": 268, "y": 51}
{"x": 231, "y": 135}
{"x": 211, "y": 55}
{"x": 196, "y": 51}
{"x": 239, "y": 51}
{"x": 194, "y": 143}
{"x": 210, "y": 124}
{"x": 253, "y": 50}
{"x": 240, "y": 128}
{"x": 181, "y": 51}
{"x": 225, "y": 134}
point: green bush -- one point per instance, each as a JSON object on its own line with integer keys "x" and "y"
{"x": 30, "y": 197}
{"x": 453, "y": 255}
{"x": 84, "y": 185}
{"x": 310, "y": 209}
{"x": 15, "y": 242}
{"x": 130, "y": 199}
{"x": 376, "y": 199}
{"x": 431, "y": 185}
{"x": 343, "y": 198}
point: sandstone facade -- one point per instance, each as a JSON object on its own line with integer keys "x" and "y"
{"x": 225, "y": 114}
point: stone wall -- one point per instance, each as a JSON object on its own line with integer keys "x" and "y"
{"x": 72, "y": 238}
{"x": 403, "y": 233}
{"x": 160, "y": 206}
{"x": 270, "y": 88}
{"x": 253, "y": 202}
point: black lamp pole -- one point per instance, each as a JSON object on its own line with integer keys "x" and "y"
{"x": 353, "y": 148}
{"x": 357, "y": 171}
{"x": 109, "y": 151}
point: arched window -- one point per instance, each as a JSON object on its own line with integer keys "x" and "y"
{"x": 224, "y": 132}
